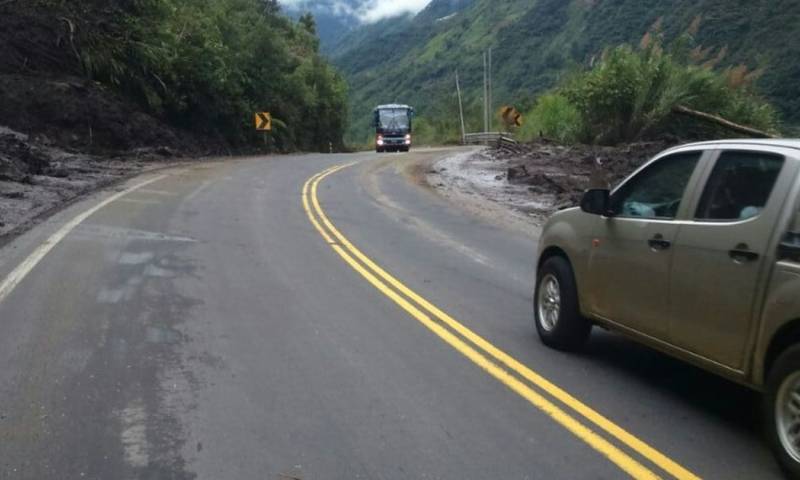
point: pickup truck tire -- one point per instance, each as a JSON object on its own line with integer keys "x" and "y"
{"x": 555, "y": 307}
{"x": 782, "y": 410}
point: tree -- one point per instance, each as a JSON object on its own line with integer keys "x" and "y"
{"x": 307, "y": 21}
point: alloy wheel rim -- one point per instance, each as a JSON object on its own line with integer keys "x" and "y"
{"x": 549, "y": 302}
{"x": 787, "y": 415}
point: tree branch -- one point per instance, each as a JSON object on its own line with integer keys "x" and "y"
{"x": 753, "y": 132}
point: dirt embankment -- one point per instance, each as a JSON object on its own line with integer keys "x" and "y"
{"x": 46, "y": 93}
{"x": 534, "y": 180}
{"x": 62, "y": 134}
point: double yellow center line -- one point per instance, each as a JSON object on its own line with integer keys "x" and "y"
{"x": 513, "y": 374}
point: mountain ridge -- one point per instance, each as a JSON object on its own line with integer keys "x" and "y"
{"x": 333, "y": 19}
{"x": 536, "y": 43}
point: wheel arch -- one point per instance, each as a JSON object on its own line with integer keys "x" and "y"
{"x": 784, "y": 338}
{"x": 550, "y": 252}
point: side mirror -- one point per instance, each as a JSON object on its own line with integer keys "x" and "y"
{"x": 596, "y": 201}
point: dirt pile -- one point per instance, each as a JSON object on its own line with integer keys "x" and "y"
{"x": 563, "y": 173}
{"x": 82, "y": 115}
{"x": 19, "y": 159}
{"x": 36, "y": 179}
{"x": 527, "y": 184}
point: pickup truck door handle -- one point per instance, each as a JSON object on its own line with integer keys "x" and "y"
{"x": 657, "y": 243}
{"x": 743, "y": 254}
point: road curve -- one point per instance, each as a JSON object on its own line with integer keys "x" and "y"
{"x": 323, "y": 316}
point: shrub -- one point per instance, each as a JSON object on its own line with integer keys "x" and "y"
{"x": 554, "y": 117}
{"x": 436, "y": 130}
{"x": 631, "y": 94}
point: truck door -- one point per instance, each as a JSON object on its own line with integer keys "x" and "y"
{"x": 720, "y": 257}
{"x": 631, "y": 255}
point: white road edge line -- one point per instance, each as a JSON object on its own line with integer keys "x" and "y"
{"x": 23, "y": 269}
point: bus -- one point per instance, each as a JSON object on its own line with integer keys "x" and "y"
{"x": 392, "y": 124}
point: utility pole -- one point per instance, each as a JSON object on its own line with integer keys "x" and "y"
{"x": 461, "y": 112}
{"x": 485, "y": 96}
{"x": 489, "y": 108}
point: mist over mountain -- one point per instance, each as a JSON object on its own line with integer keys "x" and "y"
{"x": 336, "y": 18}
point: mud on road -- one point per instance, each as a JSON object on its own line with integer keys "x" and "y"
{"x": 38, "y": 178}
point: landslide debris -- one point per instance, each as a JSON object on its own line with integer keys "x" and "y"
{"x": 37, "y": 177}
{"x": 536, "y": 179}
{"x": 563, "y": 173}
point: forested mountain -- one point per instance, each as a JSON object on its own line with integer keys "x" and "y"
{"x": 536, "y": 42}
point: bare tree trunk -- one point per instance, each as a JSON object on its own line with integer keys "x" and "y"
{"x": 753, "y": 132}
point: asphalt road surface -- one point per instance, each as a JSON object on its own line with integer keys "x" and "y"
{"x": 253, "y": 319}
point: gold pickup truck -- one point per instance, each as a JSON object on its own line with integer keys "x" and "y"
{"x": 696, "y": 254}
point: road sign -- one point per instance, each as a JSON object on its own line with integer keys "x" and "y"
{"x": 263, "y": 121}
{"x": 511, "y": 117}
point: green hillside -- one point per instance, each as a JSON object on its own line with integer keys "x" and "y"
{"x": 202, "y": 67}
{"x": 537, "y": 42}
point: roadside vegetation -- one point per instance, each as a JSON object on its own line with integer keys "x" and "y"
{"x": 538, "y": 45}
{"x": 201, "y": 66}
{"x": 638, "y": 93}
{"x": 629, "y": 94}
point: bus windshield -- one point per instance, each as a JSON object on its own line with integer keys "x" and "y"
{"x": 396, "y": 118}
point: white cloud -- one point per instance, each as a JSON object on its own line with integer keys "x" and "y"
{"x": 374, "y": 10}
{"x": 367, "y": 11}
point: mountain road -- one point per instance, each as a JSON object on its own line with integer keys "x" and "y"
{"x": 324, "y": 317}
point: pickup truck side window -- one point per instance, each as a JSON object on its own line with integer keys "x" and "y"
{"x": 739, "y": 186}
{"x": 656, "y": 191}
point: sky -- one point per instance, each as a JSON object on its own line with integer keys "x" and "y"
{"x": 367, "y": 11}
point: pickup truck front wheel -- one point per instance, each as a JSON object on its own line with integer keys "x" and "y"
{"x": 782, "y": 410}
{"x": 555, "y": 307}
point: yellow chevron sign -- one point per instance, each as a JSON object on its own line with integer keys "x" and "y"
{"x": 263, "y": 121}
{"x": 511, "y": 117}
